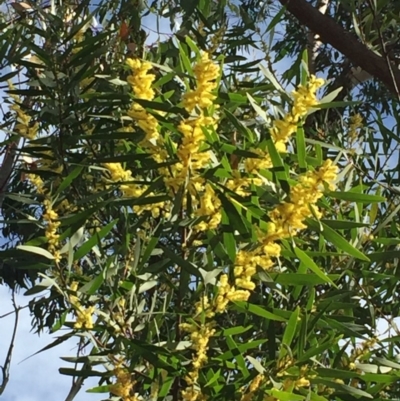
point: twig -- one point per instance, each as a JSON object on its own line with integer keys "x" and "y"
{"x": 13, "y": 311}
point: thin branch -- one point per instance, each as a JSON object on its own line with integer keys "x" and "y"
{"x": 13, "y": 311}
{"x": 75, "y": 388}
{"x": 5, "y": 369}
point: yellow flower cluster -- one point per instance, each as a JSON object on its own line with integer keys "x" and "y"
{"x": 210, "y": 205}
{"x": 206, "y": 73}
{"x": 304, "y": 98}
{"x": 289, "y": 217}
{"x": 253, "y": 165}
{"x": 247, "y": 261}
{"x": 23, "y": 126}
{"x": 359, "y": 352}
{"x": 124, "y": 386}
{"x": 254, "y": 386}
{"x": 356, "y": 122}
{"x": 227, "y": 293}
{"x": 84, "y": 316}
{"x": 200, "y": 337}
{"x": 282, "y": 129}
{"x": 240, "y": 185}
{"x": 50, "y": 217}
{"x": 191, "y": 151}
{"x": 289, "y": 385}
{"x": 119, "y": 316}
{"x": 141, "y": 82}
{"x": 49, "y": 164}
{"x": 286, "y": 220}
{"x": 37, "y": 182}
{"x": 132, "y": 190}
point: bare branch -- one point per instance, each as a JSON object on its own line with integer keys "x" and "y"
{"x": 75, "y": 388}
{"x": 5, "y": 369}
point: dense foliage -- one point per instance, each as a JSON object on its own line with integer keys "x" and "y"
{"x": 205, "y": 232}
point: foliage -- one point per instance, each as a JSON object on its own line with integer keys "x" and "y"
{"x": 185, "y": 216}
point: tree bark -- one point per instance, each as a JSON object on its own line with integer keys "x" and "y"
{"x": 345, "y": 42}
{"x": 313, "y": 39}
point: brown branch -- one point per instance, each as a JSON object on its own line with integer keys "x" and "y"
{"x": 345, "y": 42}
{"x": 10, "y": 158}
{"x": 5, "y": 369}
{"x": 7, "y": 167}
{"x": 313, "y": 40}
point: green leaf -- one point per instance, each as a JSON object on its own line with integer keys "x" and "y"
{"x": 289, "y": 333}
{"x": 94, "y": 240}
{"x": 234, "y": 218}
{"x": 241, "y": 363}
{"x": 238, "y": 125}
{"x": 337, "y": 240}
{"x": 185, "y": 62}
{"x": 301, "y": 148}
{"x": 67, "y": 181}
{"x": 60, "y": 322}
{"x": 327, "y": 100}
{"x": 342, "y": 388}
{"x": 285, "y": 395}
{"x": 383, "y": 256}
{"x": 343, "y": 224}
{"x": 279, "y": 168}
{"x": 236, "y": 330}
{"x": 261, "y": 113}
{"x": 257, "y": 310}
{"x": 310, "y": 264}
{"x": 81, "y": 373}
{"x": 193, "y": 47}
{"x": 257, "y": 365}
{"x": 99, "y": 389}
{"x": 56, "y": 342}
{"x": 36, "y": 250}
{"x": 271, "y": 77}
{"x": 387, "y": 362}
{"x": 356, "y": 197}
{"x": 229, "y": 242}
{"x": 241, "y": 348}
{"x": 92, "y": 286}
{"x": 298, "y": 279}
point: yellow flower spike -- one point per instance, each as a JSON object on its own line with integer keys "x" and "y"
{"x": 302, "y": 382}
{"x": 140, "y": 80}
{"x": 206, "y": 74}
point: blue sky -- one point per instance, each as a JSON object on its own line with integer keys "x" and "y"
{"x": 36, "y": 378}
